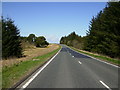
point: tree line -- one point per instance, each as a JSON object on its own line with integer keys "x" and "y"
{"x": 11, "y": 39}
{"x": 103, "y": 36}
{"x": 37, "y": 41}
{"x": 73, "y": 40}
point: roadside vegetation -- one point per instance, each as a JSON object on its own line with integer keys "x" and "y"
{"x": 34, "y": 40}
{"x": 98, "y": 56}
{"x": 22, "y": 54}
{"x": 12, "y": 41}
{"x": 29, "y": 52}
{"x": 16, "y": 72}
{"x": 103, "y": 36}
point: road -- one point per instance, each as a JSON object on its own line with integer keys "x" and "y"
{"x": 70, "y": 69}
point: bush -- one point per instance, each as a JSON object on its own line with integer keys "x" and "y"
{"x": 41, "y": 42}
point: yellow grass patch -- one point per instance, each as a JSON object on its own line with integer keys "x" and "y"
{"x": 29, "y": 54}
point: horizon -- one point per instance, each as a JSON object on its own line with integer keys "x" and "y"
{"x": 52, "y": 19}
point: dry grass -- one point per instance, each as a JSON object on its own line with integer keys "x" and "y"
{"x": 115, "y": 61}
{"x": 15, "y": 73}
{"x": 29, "y": 54}
{"x": 89, "y": 52}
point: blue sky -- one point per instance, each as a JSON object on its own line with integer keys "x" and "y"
{"x": 52, "y": 19}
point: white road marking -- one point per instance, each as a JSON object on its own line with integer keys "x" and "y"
{"x": 79, "y": 62}
{"x": 96, "y": 59}
{"x": 33, "y": 77}
{"x": 105, "y": 85}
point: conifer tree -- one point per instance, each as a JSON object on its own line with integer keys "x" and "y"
{"x": 104, "y": 34}
{"x": 11, "y": 45}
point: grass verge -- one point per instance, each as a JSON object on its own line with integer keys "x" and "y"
{"x": 101, "y": 57}
{"x": 11, "y": 75}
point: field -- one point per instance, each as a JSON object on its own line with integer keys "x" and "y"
{"x": 17, "y": 70}
{"x": 29, "y": 52}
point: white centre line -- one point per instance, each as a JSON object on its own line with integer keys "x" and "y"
{"x": 105, "y": 85}
{"x": 79, "y": 62}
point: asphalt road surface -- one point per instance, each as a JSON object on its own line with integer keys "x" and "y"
{"x": 70, "y": 69}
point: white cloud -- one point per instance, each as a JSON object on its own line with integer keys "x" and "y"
{"x": 52, "y": 38}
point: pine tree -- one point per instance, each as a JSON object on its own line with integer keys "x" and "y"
{"x": 104, "y": 34}
{"x": 11, "y": 45}
{"x": 72, "y": 40}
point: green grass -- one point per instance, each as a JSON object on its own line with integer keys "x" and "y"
{"x": 13, "y": 74}
{"x": 112, "y": 60}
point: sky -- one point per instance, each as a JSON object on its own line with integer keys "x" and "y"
{"x": 52, "y": 19}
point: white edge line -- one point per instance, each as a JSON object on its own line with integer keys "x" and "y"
{"x": 33, "y": 77}
{"x": 79, "y": 62}
{"x": 105, "y": 85}
{"x": 96, "y": 58}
